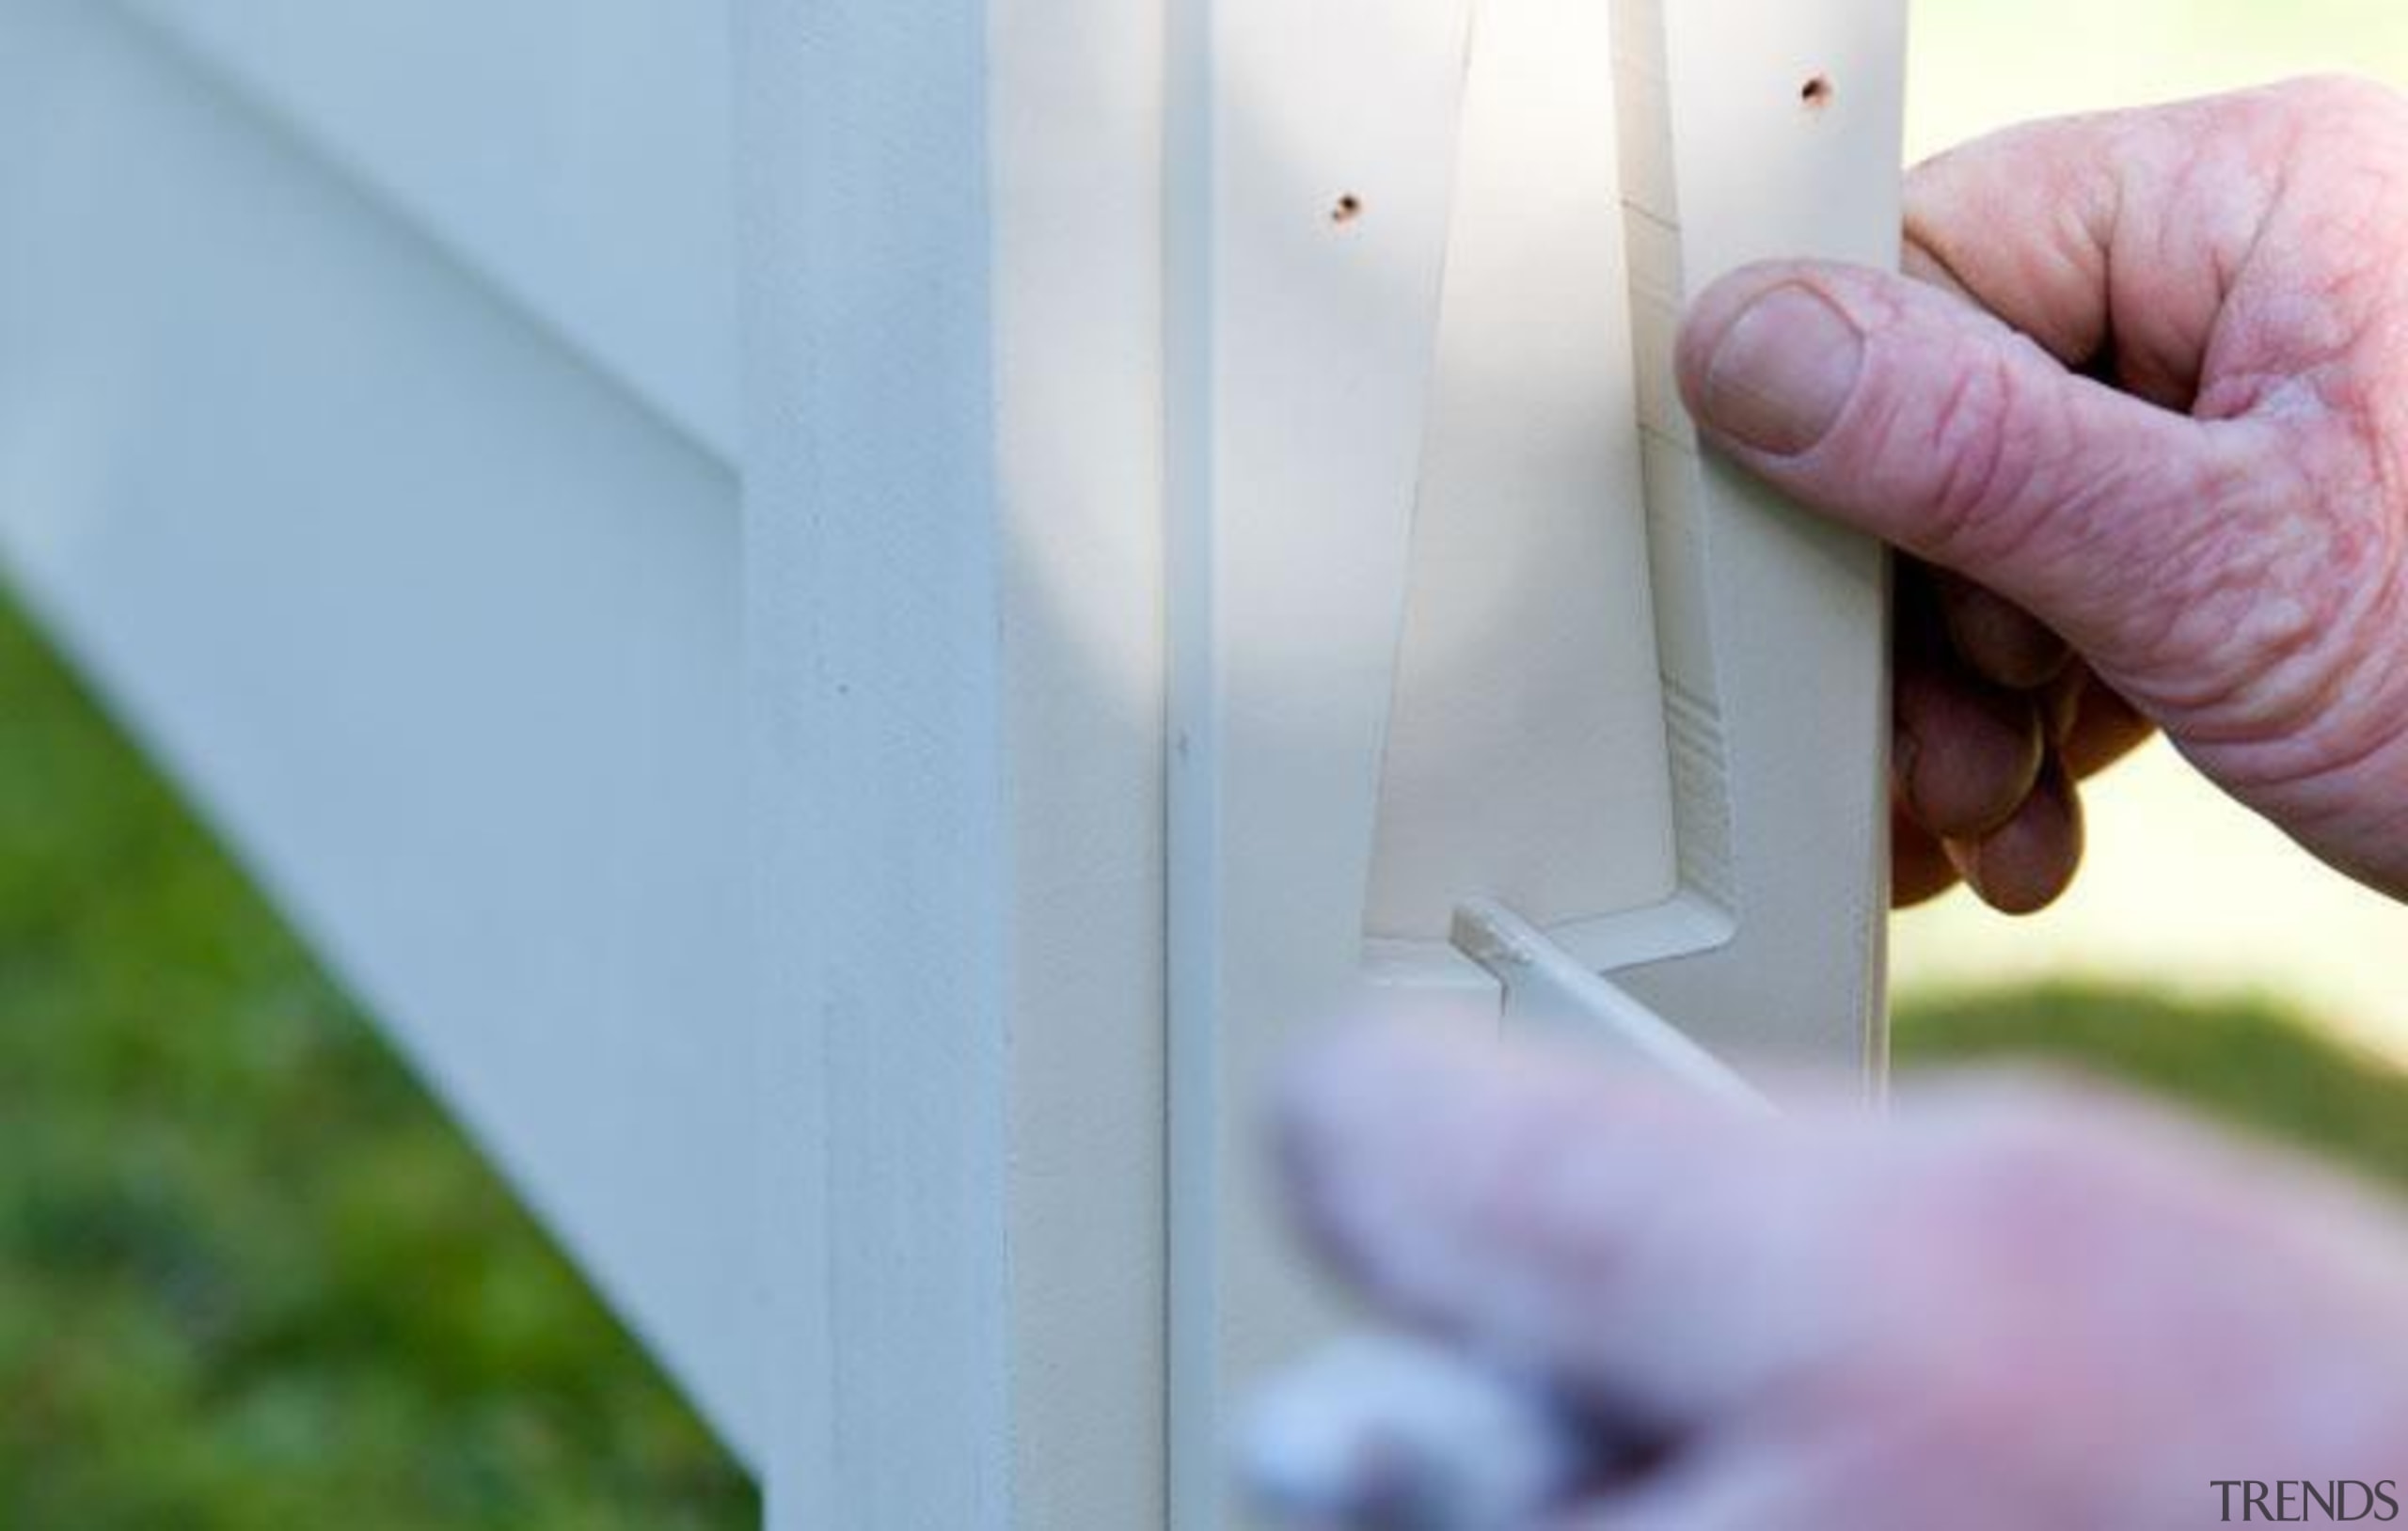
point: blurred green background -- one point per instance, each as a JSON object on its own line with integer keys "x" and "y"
{"x": 250, "y": 1279}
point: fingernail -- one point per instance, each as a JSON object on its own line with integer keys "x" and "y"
{"x": 1783, "y": 372}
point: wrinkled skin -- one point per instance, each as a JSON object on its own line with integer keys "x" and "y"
{"x": 2138, "y": 418}
{"x": 2146, "y": 408}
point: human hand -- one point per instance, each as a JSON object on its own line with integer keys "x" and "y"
{"x": 2142, "y": 425}
{"x": 2006, "y": 1305}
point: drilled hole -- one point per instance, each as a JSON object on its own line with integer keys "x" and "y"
{"x": 1816, "y": 93}
{"x": 1349, "y": 207}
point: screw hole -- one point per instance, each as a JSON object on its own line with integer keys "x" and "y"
{"x": 1817, "y": 92}
{"x": 1349, "y": 207}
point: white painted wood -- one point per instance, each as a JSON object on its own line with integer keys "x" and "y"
{"x": 1525, "y": 747}
{"x": 954, "y": 525}
{"x": 1774, "y": 642}
{"x": 575, "y": 153}
{"x": 1548, "y": 989}
{"x": 1298, "y": 448}
{"x": 792, "y": 902}
{"x": 1737, "y": 817}
{"x": 441, "y": 631}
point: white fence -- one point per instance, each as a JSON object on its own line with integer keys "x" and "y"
{"x": 842, "y": 612}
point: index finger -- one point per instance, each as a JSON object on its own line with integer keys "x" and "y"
{"x": 1662, "y": 1256}
{"x": 1677, "y": 1268}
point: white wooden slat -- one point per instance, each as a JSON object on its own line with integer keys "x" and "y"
{"x": 576, "y": 153}
{"x": 1299, "y": 456}
{"x": 439, "y": 628}
{"x": 954, "y": 523}
{"x": 1791, "y": 734}
{"x": 1078, "y": 183}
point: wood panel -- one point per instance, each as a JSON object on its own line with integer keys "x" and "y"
{"x": 441, "y": 630}
{"x": 953, "y": 527}
{"x": 573, "y": 153}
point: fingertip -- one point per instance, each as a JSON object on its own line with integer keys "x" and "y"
{"x": 1919, "y": 870}
{"x": 1446, "y": 1178}
{"x": 1349, "y": 1080}
{"x": 1327, "y": 1096}
{"x": 2027, "y": 863}
{"x": 1348, "y": 1111}
{"x": 1967, "y": 755}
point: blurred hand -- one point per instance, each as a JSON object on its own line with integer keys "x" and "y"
{"x": 2141, "y": 421}
{"x": 2007, "y": 1308}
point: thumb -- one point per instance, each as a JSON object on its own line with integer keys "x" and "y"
{"x": 1905, "y": 412}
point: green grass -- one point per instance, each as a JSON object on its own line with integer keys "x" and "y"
{"x": 250, "y": 1280}
{"x": 249, "y": 1277}
{"x": 2246, "y": 1060}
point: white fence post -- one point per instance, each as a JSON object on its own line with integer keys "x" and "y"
{"x": 954, "y": 537}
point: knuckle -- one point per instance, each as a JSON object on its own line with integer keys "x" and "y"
{"x": 1973, "y": 435}
{"x": 1977, "y": 446}
{"x": 2283, "y": 596}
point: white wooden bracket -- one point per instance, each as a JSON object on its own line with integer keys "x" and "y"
{"x": 1487, "y": 682}
{"x": 1548, "y": 989}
